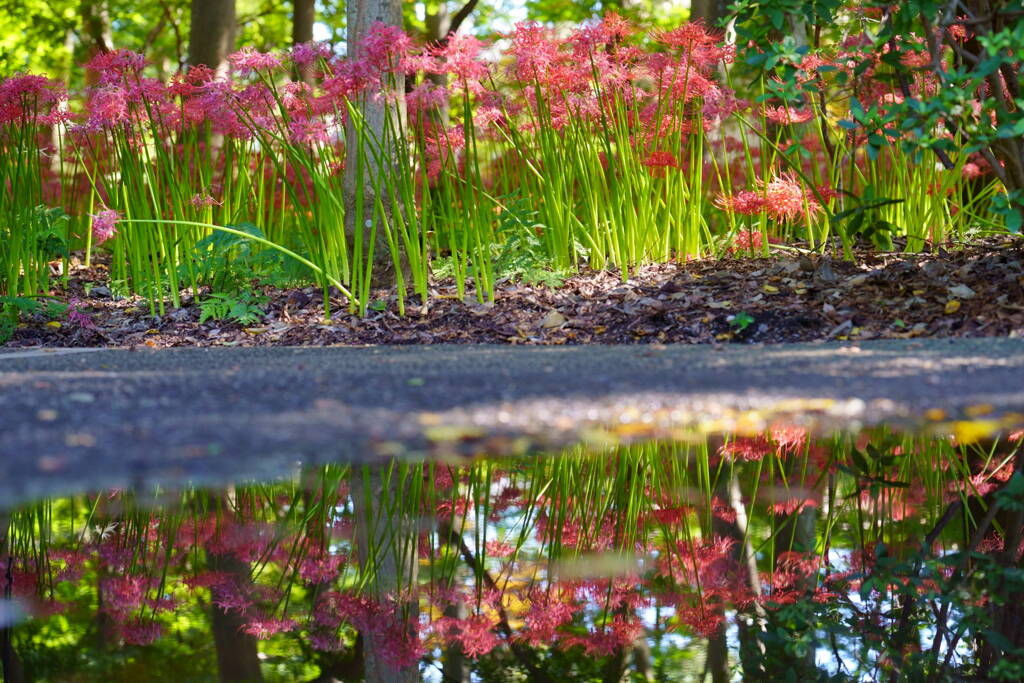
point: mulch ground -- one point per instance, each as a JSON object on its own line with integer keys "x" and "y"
{"x": 975, "y": 291}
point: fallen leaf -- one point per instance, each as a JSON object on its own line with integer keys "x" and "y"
{"x": 962, "y": 292}
{"x": 952, "y": 306}
{"x": 552, "y": 320}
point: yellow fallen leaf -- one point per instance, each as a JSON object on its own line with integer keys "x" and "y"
{"x": 952, "y": 306}
{"x": 54, "y": 324}
{"x": 255, "y": 330}
{"x": 770, "y": 289}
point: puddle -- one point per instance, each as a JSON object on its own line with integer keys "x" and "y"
{"x": 867, "y": 556}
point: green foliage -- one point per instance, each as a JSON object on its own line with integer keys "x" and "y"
{"x": 48, "y": 230}
{"x": 243, "y": 308}
{"x": 521, "y": 253}
{"x": 229, "y": 262}
{"x": 864, "y": 222}
{"x": 971, "y": 103}
{"x": 651, "y": 13}
{"x": 13, "y": 309}
{"x": 741, "y": 321}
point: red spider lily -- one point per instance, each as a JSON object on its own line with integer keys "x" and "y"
{"x": 248, "y": 60}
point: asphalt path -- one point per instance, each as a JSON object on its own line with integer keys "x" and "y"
{"x": 72, "y": 419}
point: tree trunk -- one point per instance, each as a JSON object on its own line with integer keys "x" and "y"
{"x": 708, "y": 11}
{"x": 96, "y": 35}
{"x": 237, "y": 657}
{"x": 386, "y": 535}
{"x": 380, "y": 112}
{"x": 303, "y": 18}
{"x": 211, "y": 35}
{"x": 437, "y": 25}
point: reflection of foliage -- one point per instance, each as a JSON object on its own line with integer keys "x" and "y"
{"x": 562, "y": 565}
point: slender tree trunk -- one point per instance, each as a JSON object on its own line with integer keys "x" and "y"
{"x": 212, "y": 33}
{"x": 303, "y": 18}
{"x": 380, "y": 112}
{"x": 96, "y": 35}
{"x": 437, "y": 24}
{"x": 386, "y": 535}
{"x": 708, "y": 11}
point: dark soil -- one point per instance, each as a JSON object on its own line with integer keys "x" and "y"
{"x": 976, "y": 291}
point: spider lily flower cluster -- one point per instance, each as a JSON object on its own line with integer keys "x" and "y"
{"x": 605, "y": 147}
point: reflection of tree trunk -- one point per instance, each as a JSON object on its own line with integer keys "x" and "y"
{"x": 341, "y": 666}
{"x": 717, "y": 664}
{"x": 751, "y": 623}
{"x": 642, "y": 660}
{"x": 796, "y": 532}
{"x": 12, "y": 670}
{"x": 615, "y": 670}
{"x": 212, "y": 33}
{"x": 237, "y": 658}
{"x": 386, "y": 535}
{"x": 456, "y": 666}
{"x": 303, "y": 18}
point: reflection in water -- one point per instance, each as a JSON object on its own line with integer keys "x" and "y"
{"x": 868, "y": 557}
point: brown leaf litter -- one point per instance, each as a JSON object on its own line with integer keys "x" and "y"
{"x": 975, "y": 291}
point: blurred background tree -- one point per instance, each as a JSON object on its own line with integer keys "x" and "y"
{"x": 56, "y": 36}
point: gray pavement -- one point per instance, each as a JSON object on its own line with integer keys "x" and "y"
{"x": 72, "y": 419}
